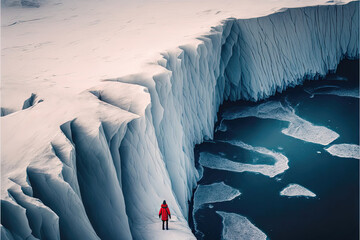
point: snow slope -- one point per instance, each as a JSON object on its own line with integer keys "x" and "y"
{"x": 109, "y": 130}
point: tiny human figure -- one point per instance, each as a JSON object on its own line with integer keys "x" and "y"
{"x": 164, "y": 213}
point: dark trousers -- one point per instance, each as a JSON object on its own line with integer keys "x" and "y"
{"x": 167, "y": 227}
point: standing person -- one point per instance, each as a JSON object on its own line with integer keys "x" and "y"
{"x": 164, "y": 213}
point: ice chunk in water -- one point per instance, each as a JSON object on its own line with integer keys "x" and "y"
{"x": 295, "y": 190}
{"x": 217, "y": 162}
{"x": 216, "y": 192}
{"x": 354, "y": 93}
{"x": 344, "y": 150}
{"x": 308, "y": 132}
{"x": 334, "y": 90}
{"x": 222, "y": 127}
{"x": 298, "y": 127}
{"x": 238, "y": 227}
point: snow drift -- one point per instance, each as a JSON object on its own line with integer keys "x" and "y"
{"x": 99, "y": 165}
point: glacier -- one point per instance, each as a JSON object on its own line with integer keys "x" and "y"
{"x": 97, "y": 164}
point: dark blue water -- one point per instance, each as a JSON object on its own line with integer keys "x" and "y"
{"x": 334, "y": 213}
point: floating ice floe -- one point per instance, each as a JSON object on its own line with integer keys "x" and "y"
{"x": 216, "y": 192}
{"x": 222, "y": 127}
{"x": 344, "y": 150}
{"x": 354, "y": 93}
{"x": 218, "y": 162}
{"x": 298, "y": 127}
{"x": 238, "y": 227}
{"x": 334, "y": 90}
{"x": 295, "y": 190}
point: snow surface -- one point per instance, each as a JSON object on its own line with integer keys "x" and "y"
{"x": 296, "y": 190}
{"x": 298, "y": 127}
{"x": 218, "y": 162}
{"x": 71, "y": 46}
{"x": 239, "y": 227}
{"x": 103, "y": 101}
{"x": 344, "y": 150}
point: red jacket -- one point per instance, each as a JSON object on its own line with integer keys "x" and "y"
{"x": 164, "y": 212}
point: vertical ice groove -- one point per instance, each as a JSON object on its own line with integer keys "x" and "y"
{"x": 99, "y": 186}
{"x": 62, "y": 201}
{"x": 43, "y": 222}
{"x": 14, "y": 220}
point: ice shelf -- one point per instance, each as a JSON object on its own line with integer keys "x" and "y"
{"x": 92, "y": 142}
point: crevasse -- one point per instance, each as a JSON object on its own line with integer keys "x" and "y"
{"x": 115, "y": 171}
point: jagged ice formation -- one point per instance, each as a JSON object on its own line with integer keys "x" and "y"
{"x": 109, "y": 166}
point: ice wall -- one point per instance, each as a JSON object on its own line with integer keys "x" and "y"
{"x": 105, "y": 174}
{"x": 244, "y": 59}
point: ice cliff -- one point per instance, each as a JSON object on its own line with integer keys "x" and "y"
{"x": 98, "y": 165}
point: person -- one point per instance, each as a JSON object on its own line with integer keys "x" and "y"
{"x": 164, "y": 213}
